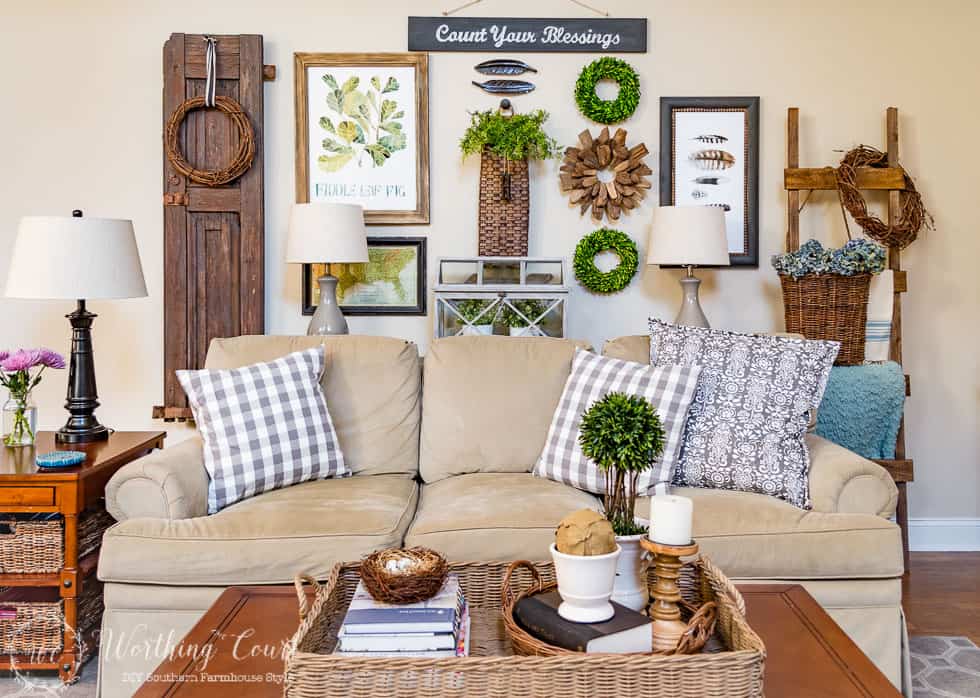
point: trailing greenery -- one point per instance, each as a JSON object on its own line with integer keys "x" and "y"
{"x": 531, "y": 309}
{"x": 608, "y": 111}
{"x": 590, "y": 276}
{"x": 471, "y": 308}
{"x": 515, "y": 137}
{"x": 623, "y": 435}
{"x": 856, "y": 257}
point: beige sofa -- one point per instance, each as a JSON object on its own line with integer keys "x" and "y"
{"x": 449, "y": 468}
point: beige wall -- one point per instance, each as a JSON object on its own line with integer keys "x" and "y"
{"x": 81, "y": 123}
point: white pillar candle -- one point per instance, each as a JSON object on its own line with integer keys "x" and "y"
{"x": 670, "y": 519}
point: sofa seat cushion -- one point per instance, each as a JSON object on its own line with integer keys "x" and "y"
{"x": 266, "y": 539}
{"x": 754, "y": 536}
{"x": 494, "y": 516}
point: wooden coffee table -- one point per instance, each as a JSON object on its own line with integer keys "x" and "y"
{"x": 807, "y": 652}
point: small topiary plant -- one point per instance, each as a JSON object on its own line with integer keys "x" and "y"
{"x": 530, "y": 309}
{"x": 623, "y": 435}
{"x": 471, "y": 310}
{"x": 514, "y": 137}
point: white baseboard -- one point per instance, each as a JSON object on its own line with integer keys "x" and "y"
{"x": 959, "y": 534}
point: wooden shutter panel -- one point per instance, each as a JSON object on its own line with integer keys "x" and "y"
{"x": 214, "y": 237}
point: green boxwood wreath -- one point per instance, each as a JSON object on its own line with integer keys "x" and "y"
{"x": 608, "y": 111}
{"x": 598, "y": 241}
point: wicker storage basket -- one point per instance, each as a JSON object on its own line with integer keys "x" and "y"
{"x": 33, "y": 546}
{"x": 504, "y": 206}
{"x": 829, "y": 306}
{"x": 32, "y": 619}
{"x": 493, "y": 669}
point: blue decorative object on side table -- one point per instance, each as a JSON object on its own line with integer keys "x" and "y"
{"x": 59, "y": 459}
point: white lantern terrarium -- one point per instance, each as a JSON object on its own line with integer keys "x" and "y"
{"x": 515, "y": 296}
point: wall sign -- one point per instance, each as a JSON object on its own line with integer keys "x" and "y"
{"x": 522, "y": 34}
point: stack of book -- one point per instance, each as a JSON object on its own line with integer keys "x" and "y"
{"x": 438, "y": 627}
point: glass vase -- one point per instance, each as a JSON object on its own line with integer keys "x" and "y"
{"x": 19, "y": 422}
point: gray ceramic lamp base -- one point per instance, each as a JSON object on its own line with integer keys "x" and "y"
{"x": 328, "y": 319}
{"x": 690, "y": 313}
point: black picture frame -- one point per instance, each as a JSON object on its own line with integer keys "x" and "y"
{"x": 669, "y": 106}
{"x": 354, "y": 310}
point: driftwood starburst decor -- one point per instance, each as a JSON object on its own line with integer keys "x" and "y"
{"x": 603, "y": 174}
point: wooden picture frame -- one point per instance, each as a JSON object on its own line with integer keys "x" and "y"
{"x": 699, "y": 169}
{"x": 419, "y": 282}
{"x": 364, "y": 156}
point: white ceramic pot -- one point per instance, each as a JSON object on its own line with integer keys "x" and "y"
{"x": 525, "y": 332}
{"x": 585, "y": 583}
{"x": 477, "y": 330}
{"x": 630, "y": 588}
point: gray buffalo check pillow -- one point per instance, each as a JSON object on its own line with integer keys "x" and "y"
{"x": 264, "y": 426}
{"x": 749, "y": 418}
{"x": 669, "y": 389}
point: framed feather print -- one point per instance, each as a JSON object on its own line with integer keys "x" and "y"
{"x": 709, "y": 156}
{"x": 362, "y": 133}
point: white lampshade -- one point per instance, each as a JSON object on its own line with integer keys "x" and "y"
{"x": 81, "y": 258}
{"x": 688, "y": 236}
{"x": 326, "y": 232}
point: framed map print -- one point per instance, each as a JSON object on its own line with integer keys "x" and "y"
{"x": 709, "y": 156}
{"x": 391, "y": 283}
{"x": 362, "y": 133}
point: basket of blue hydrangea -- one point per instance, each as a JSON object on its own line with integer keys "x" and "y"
{"x": 825, "y": 292}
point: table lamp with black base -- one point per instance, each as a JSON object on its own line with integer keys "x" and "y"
{"x": 82, "y": 259}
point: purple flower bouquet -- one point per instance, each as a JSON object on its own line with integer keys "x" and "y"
{"x": 20, "y": 373}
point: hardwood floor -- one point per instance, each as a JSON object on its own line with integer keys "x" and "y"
{"x": 941, "y": 594}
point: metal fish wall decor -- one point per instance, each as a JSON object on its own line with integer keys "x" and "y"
{"x": 505, "y": 87}
{"x": 504, "y": 66}
{"x": 713, "y": 159}
{"x": 711, "y": 180}
{"x": 712, "y": 138}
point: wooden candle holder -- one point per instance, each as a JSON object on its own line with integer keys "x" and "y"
{"x": 666, "y": 614}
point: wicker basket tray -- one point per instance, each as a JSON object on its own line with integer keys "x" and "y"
{"x": 504, "y": 206}
{"x": 829, "y": 306}
{"x": 37, "y": 546}
{"x": 492, "y": 669}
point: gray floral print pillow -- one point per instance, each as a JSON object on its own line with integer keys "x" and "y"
{"x": 747, "y": 424}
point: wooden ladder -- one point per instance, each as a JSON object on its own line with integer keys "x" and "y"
{"x": 892, "y": 180}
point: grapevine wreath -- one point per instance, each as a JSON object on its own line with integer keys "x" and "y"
{"x": 608, "y": 111}
{"x": 598, "y": 241}
{"x": 244, "y": 153}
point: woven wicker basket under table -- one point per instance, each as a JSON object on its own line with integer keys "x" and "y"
{"x": 492, "y": 669}
{"x": 829, "y": 306}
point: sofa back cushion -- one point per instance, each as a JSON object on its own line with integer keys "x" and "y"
{"x": 488, "y": 402}
{"x": 372, "y": 386}
{"x": 636, "y": 347}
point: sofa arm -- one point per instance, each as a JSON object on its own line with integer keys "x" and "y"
{"x": 843, "y": 482}
{"x": 167, "y": 484}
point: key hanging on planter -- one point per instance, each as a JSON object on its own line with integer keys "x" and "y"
{"x": 505, "y": 178}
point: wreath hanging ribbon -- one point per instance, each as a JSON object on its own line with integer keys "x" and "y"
{"x": 601, "y": 240}
{"x": 610, "y": 111}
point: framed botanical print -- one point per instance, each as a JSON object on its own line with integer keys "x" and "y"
{"x": 391, "y": 283}
{"x": 362, "y": 133}
{"x": 709, "y": 156}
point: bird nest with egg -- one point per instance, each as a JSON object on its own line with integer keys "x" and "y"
{"x": 404, "y": 575}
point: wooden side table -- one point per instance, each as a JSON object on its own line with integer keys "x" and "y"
{"x": 25, "y": 488}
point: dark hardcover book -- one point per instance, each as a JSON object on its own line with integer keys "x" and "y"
{"x": 624, "y": 633}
